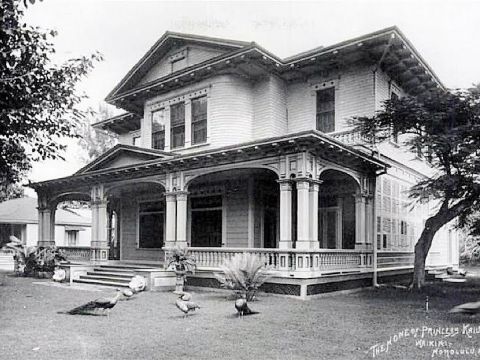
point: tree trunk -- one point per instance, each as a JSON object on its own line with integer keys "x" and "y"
{"x": 432, "y": 225}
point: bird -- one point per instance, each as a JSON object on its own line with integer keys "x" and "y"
{"x": 242, "y": 307}
{"x": 185, "y": 296}
{"x": 137, "y": 283}
{"x": 470, "y": 308}
{"x": 59, "y": 275}
{"x": 127, "y": 293}
{"x": 186, "y": 306}
{"x": 105, "y": 303}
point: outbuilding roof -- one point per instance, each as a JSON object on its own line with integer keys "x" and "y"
{"x": 24, "y": 211}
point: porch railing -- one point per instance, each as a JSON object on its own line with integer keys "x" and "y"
{"x": 76, "y": 253}
{"x": 393, "y": 259}
{"x": 325, "y": 260}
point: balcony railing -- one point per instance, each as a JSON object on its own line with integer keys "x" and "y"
{"x": 290, "y": 260}
{"x": 76, "y": 253}
{"x": 349, "y": 137}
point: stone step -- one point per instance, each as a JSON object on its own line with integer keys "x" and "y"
{"x": 125, "y": 267}
{"x": 101, "y": 282}
{"x": 111, "y": 274}
{"x": 442, "y": 276}
{"x": 115, "y": 270}
{"x": 455, "y": 280}
{"x": 106, "y": 278}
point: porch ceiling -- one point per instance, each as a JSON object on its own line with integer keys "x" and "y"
{"x": 312, "y": 141}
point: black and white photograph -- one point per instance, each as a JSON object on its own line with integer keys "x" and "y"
{"x": 271, "y": 180}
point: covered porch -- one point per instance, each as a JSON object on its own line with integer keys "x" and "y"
{"x": 303, "y": 203}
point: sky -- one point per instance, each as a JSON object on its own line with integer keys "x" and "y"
{"x": 445, "y": 33}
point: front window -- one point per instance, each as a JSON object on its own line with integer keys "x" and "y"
{"x": 326, "y": 110}
{"x": 72, "y": 237}
{"x": 158, "y": 129}
{"x": 199, "y": 120}
{"x": 177, "y": 121}
{"x": 151, "y": 217}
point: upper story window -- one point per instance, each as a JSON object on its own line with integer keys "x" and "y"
{"x": 199, "y": 120}
{"x": 158, "y": 129}
{"x": 177, "y": 125}
{"x": 326, "y": 110}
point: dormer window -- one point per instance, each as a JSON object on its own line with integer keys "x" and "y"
{"x": 158, "y": 129}
{"x": 326, "y": 110}
{"x": 177, "y": 125}
{"x": 199, "y": 120}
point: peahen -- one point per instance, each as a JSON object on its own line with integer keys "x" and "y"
{"x": 90, "y": 308}
{"x": 184, "y": 305}
{"x": 242, "y": 307}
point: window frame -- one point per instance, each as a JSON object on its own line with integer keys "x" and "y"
{"x": 331, "y": 112}
{"x": 158, "y": 132}
{"x": 174, "y": 126}
{"x": 202, "y": 121}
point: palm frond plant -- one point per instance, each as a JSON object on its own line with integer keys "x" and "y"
{"x": 244, "y": 274}
{"x": 24, "y": 256}
{"x": 183, "y": 263}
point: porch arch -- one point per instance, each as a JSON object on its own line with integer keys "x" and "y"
{"x": 228, "y": 168}
{"x": 339, "y": 210}
{"x": 235, "y": 207}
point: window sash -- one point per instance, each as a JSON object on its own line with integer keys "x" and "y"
{"x": 199, "y": 132}
{"x": 177, "y": 114}
{"x": 177, "y": 136}
{"x": 158, "y": 140}
{"x": 326, "y": 110}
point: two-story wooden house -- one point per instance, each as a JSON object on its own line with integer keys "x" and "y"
{"x": 226, "y": 148}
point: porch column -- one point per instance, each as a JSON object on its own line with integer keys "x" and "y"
{"x": 182, "y": 218}
{"x": 303, "y": 215}
{"x": 369, "y": 223}
{"x": 171, "y": 219}
{"x": 314, "y": 186}
{"x": 99, "y": 242}
{"x": 45, "y": 227}
{"x": 360, "y": 234}
{"x": 285, "y": 241}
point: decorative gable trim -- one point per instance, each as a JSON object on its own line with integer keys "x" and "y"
{"x": 116, "y": 151}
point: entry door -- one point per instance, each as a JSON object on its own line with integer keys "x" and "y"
{"x": 328, "y": 228}
{"x": 206, "y": 228}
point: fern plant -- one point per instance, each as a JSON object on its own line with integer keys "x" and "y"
{"x": 244, "y": 274}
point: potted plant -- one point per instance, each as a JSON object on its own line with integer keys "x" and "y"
{"x": 183, "y": 263}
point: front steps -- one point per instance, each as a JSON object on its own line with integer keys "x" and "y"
{"x": 118, "y": 275}
{"x": 448, "y": 275}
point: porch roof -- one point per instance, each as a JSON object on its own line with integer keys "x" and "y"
{"x": 312, "y": 141}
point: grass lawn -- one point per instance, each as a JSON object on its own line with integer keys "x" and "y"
{"x": 336, "y": 326}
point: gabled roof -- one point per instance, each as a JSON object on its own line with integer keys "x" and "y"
{"x": 162, "y": 46}
{"x": 24, "y": 211}
{"x": 131, "y": 154}
{"x": 387, "y": 49}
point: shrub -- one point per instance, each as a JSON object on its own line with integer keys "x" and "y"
{"x": 244, "y": 274}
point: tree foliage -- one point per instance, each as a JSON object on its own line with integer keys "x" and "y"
{"x": 11, "y": 191}
{"x": 94, "y": 141}
{"x": 445, "y": 127}
{"x": 38, "y": 101}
